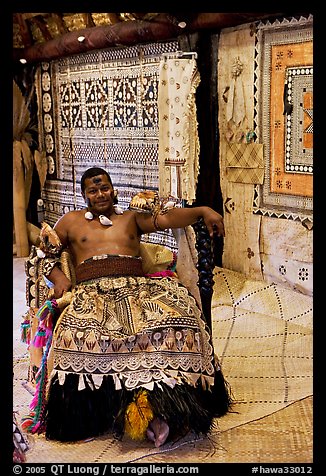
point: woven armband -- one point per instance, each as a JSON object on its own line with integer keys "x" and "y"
{"x": 36, "y": 267}
{"x": 155, "y": 215}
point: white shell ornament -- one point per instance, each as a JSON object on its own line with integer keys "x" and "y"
{"x": 105, "y": 220}
{"x": 89, "y": 216}
{"x": 169, "y": 204}
{"x": 118, "y": 210}
{"x": 40, "y": 253}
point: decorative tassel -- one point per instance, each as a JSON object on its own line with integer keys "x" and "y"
{"x": 25, "y": 329}
{"x": 38, "y": 404}
{"x": 138, "y": 415}
{"x": 40, "y": 338}
{"x": 27, "y": 421}
{"x": 48, "y": 308}
{"x": 44, "y": 329}
{"x": 43, "y": 337}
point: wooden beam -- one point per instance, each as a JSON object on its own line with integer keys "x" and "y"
{"x": 114, "y": 18}
{"x": 28, "y": 16}
{"x": 58, "y": 20}
{"x": 25, "y": 33}
{"x": 41, "y": 23}
{"x": 89, "y": 22}
{"x": 122, "y": 33}
{"x": 163, "y": 27}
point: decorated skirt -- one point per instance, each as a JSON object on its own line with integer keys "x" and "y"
{"x": 124, "y": 338}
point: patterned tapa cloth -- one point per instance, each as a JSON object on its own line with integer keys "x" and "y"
{"x": 178, "y": 154}
{"x": 139, "y": 330}
{"x": 121, "y": 336}
{"x": 100, "y": 108}
{"x": 285, "y": 67}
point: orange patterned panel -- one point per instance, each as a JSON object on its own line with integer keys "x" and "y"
{"x": 284, "y": 56}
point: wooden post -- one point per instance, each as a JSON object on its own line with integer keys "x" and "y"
{"x": 20, "y": 225}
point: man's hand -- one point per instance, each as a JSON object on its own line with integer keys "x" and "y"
{"x": 60, "y": 281}
{"x": 214, "y": 222}
{"x": 61, "y": 287}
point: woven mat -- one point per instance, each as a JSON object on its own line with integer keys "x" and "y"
{"x": 285, "y": 436}
{"x": 263, "y": 336}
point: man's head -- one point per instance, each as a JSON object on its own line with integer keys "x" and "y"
{"x": 93, "y": 172}
{"x": 97, "y": 190}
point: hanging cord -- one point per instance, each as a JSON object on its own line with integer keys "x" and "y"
{"x": 34, "y": 422}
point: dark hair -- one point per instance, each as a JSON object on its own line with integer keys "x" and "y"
{"x": 92, "y": 172}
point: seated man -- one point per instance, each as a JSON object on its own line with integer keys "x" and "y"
{"x": 131, "y": 353}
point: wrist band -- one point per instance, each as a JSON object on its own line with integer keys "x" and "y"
{"x": 155, "y": 221}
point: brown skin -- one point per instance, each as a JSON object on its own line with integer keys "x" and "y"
{"x": 87, "y": 238}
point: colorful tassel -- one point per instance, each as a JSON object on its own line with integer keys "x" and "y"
{"x": 48, "y": 309}
{"x": 138, "y": 415}
{"x": 40, "y": 338}
{"x": 43, "y": 338}
{"x": 27, "y": 421}
{"x": 25, "y": 331}
{"x": 38, "y": 404}
{"x": 45, "y": 316}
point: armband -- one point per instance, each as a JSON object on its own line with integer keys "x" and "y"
{"x": 48, "y": 264}
{"x": 149, "y": 201}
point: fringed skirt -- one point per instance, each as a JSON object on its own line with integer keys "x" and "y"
{"x": 124, "y": 334}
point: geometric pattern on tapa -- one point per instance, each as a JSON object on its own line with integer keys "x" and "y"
{"x": 283, "y": 97}
{"x": 99, "y": 108}
{"x": 245, "y": 163}
{"x": 178, "y": 129}
{"x": 299, "y": 127}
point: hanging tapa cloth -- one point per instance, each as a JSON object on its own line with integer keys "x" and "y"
{"x": 178, "y": 132}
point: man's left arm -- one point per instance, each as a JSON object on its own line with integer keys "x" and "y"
{"x": 180, "y": 218}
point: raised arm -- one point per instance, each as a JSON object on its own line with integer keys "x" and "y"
{"x": 180, "y": 218}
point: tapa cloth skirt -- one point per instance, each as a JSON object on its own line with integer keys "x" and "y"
{"x": 123, "y": 333}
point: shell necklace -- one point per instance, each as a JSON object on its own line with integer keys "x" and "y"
{"x": 102, "y": 218}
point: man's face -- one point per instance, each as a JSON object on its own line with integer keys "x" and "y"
{"x": 98, "y": 194}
